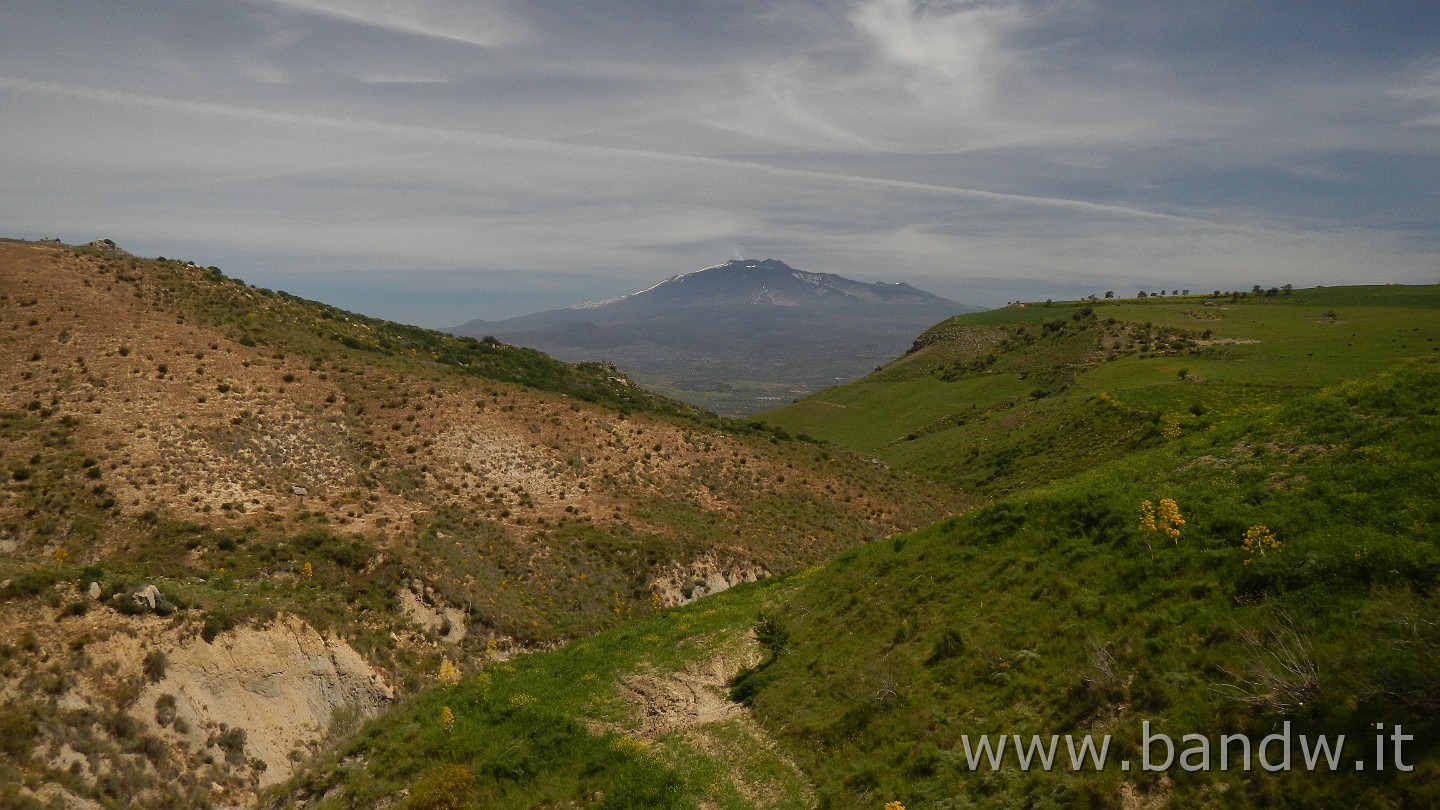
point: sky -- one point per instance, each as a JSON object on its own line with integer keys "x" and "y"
{"x": 434, "y": 161}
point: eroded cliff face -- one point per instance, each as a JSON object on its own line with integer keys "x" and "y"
{"x": 684, "y": 583}
{"x": 143, "y": 706}
{"x": 281, "y": 685}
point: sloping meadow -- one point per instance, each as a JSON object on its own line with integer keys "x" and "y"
{"x": 1244, "y": 616}
{"x": 1271, "y": 576}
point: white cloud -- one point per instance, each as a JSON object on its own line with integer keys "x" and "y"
{"x": 930, "y": 141}
{"x": 482, "y": 24}
{"x": 480, "y": 140}
{"x": 1425, "y": 90}
{"x": 957, "y": 42}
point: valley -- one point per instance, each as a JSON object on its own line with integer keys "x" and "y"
{"x": 258, "y": 551}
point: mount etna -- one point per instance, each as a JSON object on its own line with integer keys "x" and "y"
{"x": 738, "y": 337}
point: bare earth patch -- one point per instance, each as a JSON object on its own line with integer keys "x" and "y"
{"x": 694, "y": 706}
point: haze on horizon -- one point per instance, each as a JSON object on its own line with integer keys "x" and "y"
{"x": 434, "y": 161}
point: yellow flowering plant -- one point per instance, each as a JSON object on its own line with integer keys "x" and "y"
{"x": 449, "y": 674}
{"x": 1164, "y": 519}
{"x": 1259, "y": 540}
{"x": 1170, "y": 426}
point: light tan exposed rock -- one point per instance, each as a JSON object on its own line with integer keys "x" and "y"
{"x": 423, "y": 607}
{"x": 280, "y": 684}
{"x": 694, "y": 705}
{"x": 684, "y": 583}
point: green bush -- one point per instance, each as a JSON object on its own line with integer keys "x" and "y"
{"x": 772, "y": 634}
{"x": 443, "y": 787}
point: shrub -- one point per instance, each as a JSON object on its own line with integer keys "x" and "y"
{"x": 950, "y": 645}
{"x": 232, "y": 742}
{"x": 772, "y": 634}
{"x": 215, "y": 625}
{"x": 444, "y": 787}
{"x": 154, "y": 666}
{"x": 165, "y": 710}
{"x": 18, "y": 731}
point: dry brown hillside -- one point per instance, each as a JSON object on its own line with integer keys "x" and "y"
{"x": 273, "y": 465}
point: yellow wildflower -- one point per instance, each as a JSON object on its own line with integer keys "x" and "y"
{"x": 1170, "y": 426}
{"x": 1260, "y": 540}
{"x": 449, "y": 674}
{"x": 1165, "y": 520}
{"x": 1169, "y": 519}
{"x": 1147, "y": 516}
{"x": 629, "y": 745}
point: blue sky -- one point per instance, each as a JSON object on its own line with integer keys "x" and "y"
{"x": 434, "y": 161}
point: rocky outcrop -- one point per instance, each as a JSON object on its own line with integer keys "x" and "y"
{"x": 684, "y": 583}
{"x": 429, "y": 612}
{"x": 280, "y": 685}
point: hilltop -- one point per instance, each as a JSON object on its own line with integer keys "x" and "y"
{"x": 218, "y": 496}
{"x": 739, "y": 336}
{"x": 1002, "y": 401}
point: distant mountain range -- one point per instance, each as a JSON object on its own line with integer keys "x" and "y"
{"x": 738, "y": 337}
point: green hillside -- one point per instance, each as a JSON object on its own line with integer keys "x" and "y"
{"x": 1244, "y": 551}
{"x": 1049, "y": 613}
{"x": 1055, "y": 613}
{"x": 1002, "y": 400}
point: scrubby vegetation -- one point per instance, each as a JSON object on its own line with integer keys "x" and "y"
{"x": 185, "y": 456}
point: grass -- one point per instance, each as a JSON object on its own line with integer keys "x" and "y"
{"x": 984, "y": 393}
{"x": 550, "y": 729}
{"x": 1070, "y": 619}
{"x": 1053, "y": 611}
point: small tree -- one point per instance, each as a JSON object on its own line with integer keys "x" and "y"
{"x": 772, "y": 634}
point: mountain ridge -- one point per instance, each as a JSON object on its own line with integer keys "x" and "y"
{"x": 738, "y": 335}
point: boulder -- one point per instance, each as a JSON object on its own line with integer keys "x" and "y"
{"x": 149, "y": 597}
